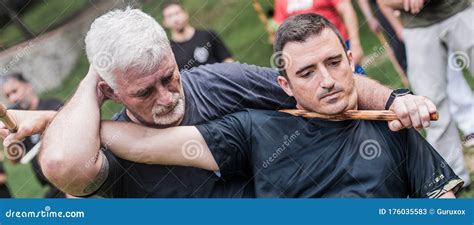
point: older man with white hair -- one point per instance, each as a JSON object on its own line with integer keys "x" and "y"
{"x": 132, "y": 64}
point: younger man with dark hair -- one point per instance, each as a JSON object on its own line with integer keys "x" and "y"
{"x": 287, "y": 156}
{"x": 192, "y": 47}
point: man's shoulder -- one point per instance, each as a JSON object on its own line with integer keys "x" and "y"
{"x": 121, "y": 116}
{"x": 233, "y": 69}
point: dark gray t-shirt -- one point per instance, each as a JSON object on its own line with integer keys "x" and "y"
{"x": 296, "y": 157}
{"x": 211, "y": 91}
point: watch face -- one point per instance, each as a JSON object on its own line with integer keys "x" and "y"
{"x": 401, "y": 91}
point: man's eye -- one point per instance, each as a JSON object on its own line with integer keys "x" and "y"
{"x": 334, "y": 63}
{"x": 145, "y": 93}
{"x": 307, "y": 74}
{"x": 167, "y": 80}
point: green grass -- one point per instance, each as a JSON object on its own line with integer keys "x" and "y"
{"x": 236, "y": 23}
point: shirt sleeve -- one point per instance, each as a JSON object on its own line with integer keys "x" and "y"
{"x": 279, "y": 14}
{"x": 225, "y": 88}
{"x": 218, "y": 47}
{"x": 428, "y": 173}
{"x": 112, "y": 184}
{"x": 228, "y": 140}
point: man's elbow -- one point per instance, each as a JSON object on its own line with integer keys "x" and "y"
{"x": 60, "y": 170}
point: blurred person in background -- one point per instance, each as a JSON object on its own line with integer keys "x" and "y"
{"x": 388, "y": 25}
{"x": 433, "y": 31}
{"x": 4, "y": 191}
{"x": 20, "y": 95}
{"x": 461, "y": 104}
{"x": 338, "y": 12}
{"x": 192, "y": 47}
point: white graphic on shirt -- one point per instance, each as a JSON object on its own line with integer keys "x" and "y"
{"x": 297, "y": 5}
{"x": 201, "y": 54}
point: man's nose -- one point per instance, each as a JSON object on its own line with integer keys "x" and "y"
{"x": 165, "y": 97}
{"x": 13, "y": 99}
{"x": 328, "y": 82}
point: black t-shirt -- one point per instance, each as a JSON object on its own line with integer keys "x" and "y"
{"x": 4, "y": 191}
{"x": 205, "y": 47}
{"x": 297, "y": 157}
{"x": 211, "y": 91}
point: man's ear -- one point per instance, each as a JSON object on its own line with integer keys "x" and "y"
{"x": 108, "y": 91}
{"x": 285, "y": 85}
{"x": 351, "y": 60}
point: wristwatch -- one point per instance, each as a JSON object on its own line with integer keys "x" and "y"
{"x": 396, "y": 93}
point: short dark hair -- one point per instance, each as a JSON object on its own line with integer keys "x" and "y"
{"x": 297, "y": 29}
{"x": 13, "y": 76}
{"x": 169, "y": 3}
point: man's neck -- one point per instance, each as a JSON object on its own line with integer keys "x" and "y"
{"x": 185, "y": 35}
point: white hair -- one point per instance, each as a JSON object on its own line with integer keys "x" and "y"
{"x": 123, "y": 40}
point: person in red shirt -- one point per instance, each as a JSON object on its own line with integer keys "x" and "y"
{"x": 339, "y": 12}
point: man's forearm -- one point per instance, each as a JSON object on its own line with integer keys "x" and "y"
{"x": 350, "y": 20}
{"x": 179, "y": 146}
{"x": 371, "y": 94}
{"x": 70, "y": 147}
{"x": 396, "y": 4}
{"x": 365, "y": 8}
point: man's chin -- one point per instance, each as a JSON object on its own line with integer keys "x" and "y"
{"x": 332, "y": 109}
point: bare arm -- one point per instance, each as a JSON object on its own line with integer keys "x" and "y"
{"x": 29, "y": 123}
{"x": 371, "y": 94}
{"x": 3, "y": 178}
{"x": 180, "y": 146}
{"x": 70, "y": 157}
{"x": 412, "y": 6}
{"x": 392, "y": 19}
{"x": 347, "y": 12}
{"x": 413, "y": 110}
{"x": 395, "y": 4}
{"x": 369, "y": 17}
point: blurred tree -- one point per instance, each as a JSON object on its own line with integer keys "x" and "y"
{"x": 10, "y": 10}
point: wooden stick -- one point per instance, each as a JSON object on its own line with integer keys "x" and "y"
{"x": 16, "y": 150}
{"x": 7, "y": 119}
{"x": 383, "y": 115}
{"x": 263, "y": 17}
{"x": 393, "y": 59}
